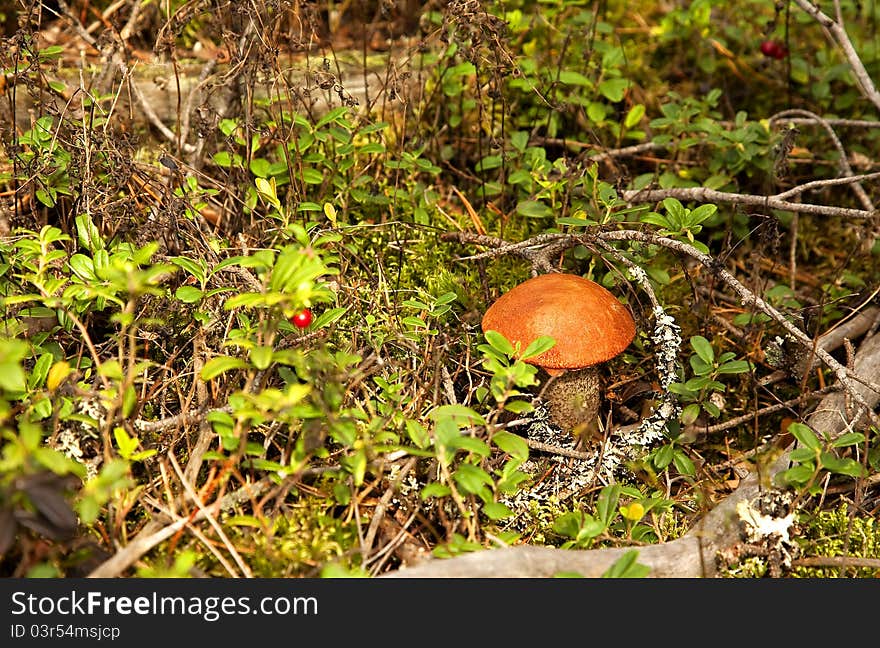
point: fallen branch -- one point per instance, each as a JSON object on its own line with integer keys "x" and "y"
{"x": 842, "y": 163}
{"x": 703, "y": 194}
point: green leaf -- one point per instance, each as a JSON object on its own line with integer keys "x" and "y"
{"x": 798, "y": 475}
{"x": 805, "y": 436}
{"x": 261, "y": 357}
{"x": 690, "y": 413}
{"x": 40, "y": 370}
{"x": 499, "y": 343}
{"x": 518, "y": 406}
{"x": 255, "y": 261}
{"x": 488, "y": 162}
{"x": 675, "y": 211}
{"x": 734, "y": 367}
{"x": 664, "y": 456}
{"x": 613, "y": 89}
{"x": 12, "y": 377}
{"x": 696, "y": 384}
{"x": 372, "y": 148}
{"x": 312, "y": 176}
{"x": 703, "y": 349}
{"x": 417, "y": 433}
{"x": 219, "y": 365}
{"x": 627, "y": 567}
{"x": 496, "y": 510}
{"x": 57, "y": 462}
{"x": 129, "y": 400}
{"x": 606, "y": 505}
{"x": 634, "y": 116}
{"x": 575, "y": 222}
{"x": 653, "y": 218}
{"x": 356, "y": 465}
{"x": 143, "y": 454}
{"x": 222, "y": 159}
{"x": 125, "y": 443}
{"x": 414, "y": 322}
{"x": 519, "y": 140}
{"x": 328, "y": 317}
{"x": 533, "y": 209}
{"x": 799, "y": 455}
{"x": 191, "y": 266}
{"x": 87, "y": 233}
{"x": 189, "y": 294}
{"x": 88, "y": 509}
{"x": 512, "y": 444}
{"x": 711, "y": 409}
{"x": 841, "y": 466}
{"x": 538, "y": 346}
{"x": 460, "y": 414}
{"x": 683, "y": 464}
{"x": 53, "y": 51}
{"x": 848, "y": 439}
{"x": 471, "y": 444}
{"x": 331, "y": 116}
{"x": 570, "y": 77}
{"x": 111, "y": 369}
{"x": 435, "y": 489}
{"x": 260, "y": 167}
{"x": 471, "y": 479}
{"x": 568, "y": 524}
{"x": 42, "y": 409}
{"x": 700, "y": 214}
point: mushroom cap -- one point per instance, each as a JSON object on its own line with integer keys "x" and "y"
{"x": 588, "y": 323}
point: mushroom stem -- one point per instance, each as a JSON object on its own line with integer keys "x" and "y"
{"x": 573, "y": 400}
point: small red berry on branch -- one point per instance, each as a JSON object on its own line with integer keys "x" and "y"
{"x": 302, "y": 319}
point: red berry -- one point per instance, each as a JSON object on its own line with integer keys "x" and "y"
{"x": 302, "y": 319}
{"x": 774, "y": 49}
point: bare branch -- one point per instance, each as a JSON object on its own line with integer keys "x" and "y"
{"x": 829, "y": 182}
{"x": 842, "y": 163}
{"x": 704, "y": 194}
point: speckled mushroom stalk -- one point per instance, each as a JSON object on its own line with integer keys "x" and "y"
{"x": 590, "y": 327}
{"x": 574, "y": 398}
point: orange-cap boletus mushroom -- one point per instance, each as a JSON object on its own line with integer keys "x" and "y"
{"x": 590, "y": 327}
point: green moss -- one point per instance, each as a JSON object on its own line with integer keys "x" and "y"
{"x": 748, "y": 568}
{"x": 824, "y": 534}
{"x": 296, "y": 543}
{"x": 833, "y": 533}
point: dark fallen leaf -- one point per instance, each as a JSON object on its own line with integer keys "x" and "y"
{"x": 40, "y": 525}
{"x": 53, "y": 506}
